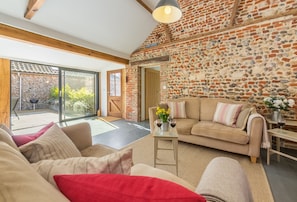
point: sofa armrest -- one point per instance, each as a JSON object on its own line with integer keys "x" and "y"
{"x": 256, "y": 132}
{"x": 80, "y": 134}
{"x": 224, "y": 180}
{"x": 152, "y": 117}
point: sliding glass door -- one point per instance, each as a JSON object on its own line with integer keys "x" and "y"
{"x": 77, "y": 91}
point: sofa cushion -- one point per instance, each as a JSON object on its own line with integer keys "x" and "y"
{"x": 6, "y": 137}
{"x": 117, "y": 163}
{"x": 243, "y": 118}
{"x": 208, "y": 107}
{"x": 177, "y": 110}
{"x": 20, "y": 182}
{"x": 184, "y": 126}
{"x": 53, "y": 144}
{"x": 227, "y": 113}
{"x": 23, "y": 139}
{"x": 221, "y": 132}
{"x": 108, "y": 187}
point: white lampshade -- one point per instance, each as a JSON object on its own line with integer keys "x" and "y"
{"x": 167, "y": 11}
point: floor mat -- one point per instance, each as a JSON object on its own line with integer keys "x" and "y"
{"x": 109, "y": 118}
{"x": 97, "y": 125}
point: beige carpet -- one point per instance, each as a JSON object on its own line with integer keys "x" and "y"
{"x": 193, "y": 160}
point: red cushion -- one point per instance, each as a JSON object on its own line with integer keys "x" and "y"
{"x": 116, "y": 187}
{"x": 23, "y": 139}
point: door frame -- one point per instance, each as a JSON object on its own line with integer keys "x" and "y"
{"x": 121, "y": 110}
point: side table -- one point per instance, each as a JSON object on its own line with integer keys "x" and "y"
{"x": 270, "y": 123}
{"x": 280, "y": 134}
{"x": 171, "y": 135}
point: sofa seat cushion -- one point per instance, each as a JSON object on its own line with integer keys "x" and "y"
{"x": 184, "y": 126}
{"x": 146, "y": 170}
{"x": 20, "y": 182}
{"x": 221, "y": 132}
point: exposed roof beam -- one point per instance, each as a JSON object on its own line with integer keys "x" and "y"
{"x": 144, "y": 6}
{"x": 15, "y": 33}
{"x": 33, "y": 6}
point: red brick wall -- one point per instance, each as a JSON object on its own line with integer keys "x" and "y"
{"x": 210, "y": 56}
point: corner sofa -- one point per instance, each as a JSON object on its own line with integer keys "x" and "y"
{"x": 195, "y": 124}
{"x": 23, "y": 178}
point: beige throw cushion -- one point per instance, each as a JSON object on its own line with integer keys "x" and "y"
{"x": 53, "y": 144}
{"x": 243, "y": 118}
{"x": 227, "y": 113}
{"x": 177, "y": 109}
{"x": 116, "y": 163}
{"x": 20, "y": 182}
{"x": 6, "y": 137}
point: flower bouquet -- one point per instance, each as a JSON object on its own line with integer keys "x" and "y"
{"x": 163, "y": 114}
{"x": 278, "y": 103}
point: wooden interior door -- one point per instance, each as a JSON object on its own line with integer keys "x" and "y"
{"x": 152, "y": 89}
{"x": 114, "y": 93}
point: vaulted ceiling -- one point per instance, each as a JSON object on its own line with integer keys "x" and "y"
{"x": 112, "y": 27}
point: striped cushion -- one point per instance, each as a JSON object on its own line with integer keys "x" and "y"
{"x": 117, "y": 163}
{"x": 53, "y": 144}
{"x": 227, "y": 113}
{"x": 243, "y": 118}
{"x": 177, "y": 109}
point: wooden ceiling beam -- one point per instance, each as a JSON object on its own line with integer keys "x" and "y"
{"x": 32, "y": 8}
{"x": 144, "y": 6}
{"x": 22, "y": 35}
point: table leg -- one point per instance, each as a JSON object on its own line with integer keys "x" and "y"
{"x": 175, "y": 146}
{"x": 155, "y": 150}
{"x": 268, "y": 150}
{"x": 278, "y": 148}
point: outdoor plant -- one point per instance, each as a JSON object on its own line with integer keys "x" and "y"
{"x": 278, "y": 103}
{"x": 163, "y": 114}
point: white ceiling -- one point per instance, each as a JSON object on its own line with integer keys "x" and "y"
{"x": 116, "y": 27}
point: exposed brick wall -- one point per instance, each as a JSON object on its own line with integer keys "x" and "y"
{"x": 33, "y": 86}
{"x": 252, "y": 59}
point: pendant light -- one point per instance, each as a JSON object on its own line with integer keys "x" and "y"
{"x": 167, "y": 11}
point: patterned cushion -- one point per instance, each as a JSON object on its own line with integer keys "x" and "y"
{"x": 108, "y": 187}
{"x": 242, "y": 118}
{"x": 227, "y": 113}
{"x": 53, "y": 144}
{"x": 117, "y": 163}
{"x": 20, "y": 182}
{"x": 177, "y": 109}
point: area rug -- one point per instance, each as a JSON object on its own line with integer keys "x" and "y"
{"x": 193, "y": 160}
{"x": 97, "y": 126}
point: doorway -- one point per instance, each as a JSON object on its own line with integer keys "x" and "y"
{"x": 114, "y": 93}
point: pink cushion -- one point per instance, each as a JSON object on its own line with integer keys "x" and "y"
{"x": 23, "y": 139}
{"x": 115, "y": 187}
{"x": 227, "y": 113}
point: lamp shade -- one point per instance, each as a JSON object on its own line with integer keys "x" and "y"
{"x": 167, "y": 11}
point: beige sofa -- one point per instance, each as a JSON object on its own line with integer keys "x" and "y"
{"x": 22, "y": 181}
{"x": 199, "y": 128}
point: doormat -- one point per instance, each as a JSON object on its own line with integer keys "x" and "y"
{"x": 109, "y": 118}
{"x": 98, "y": 126}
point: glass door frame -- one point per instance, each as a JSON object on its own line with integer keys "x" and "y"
{"x": 96, "y": 93}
